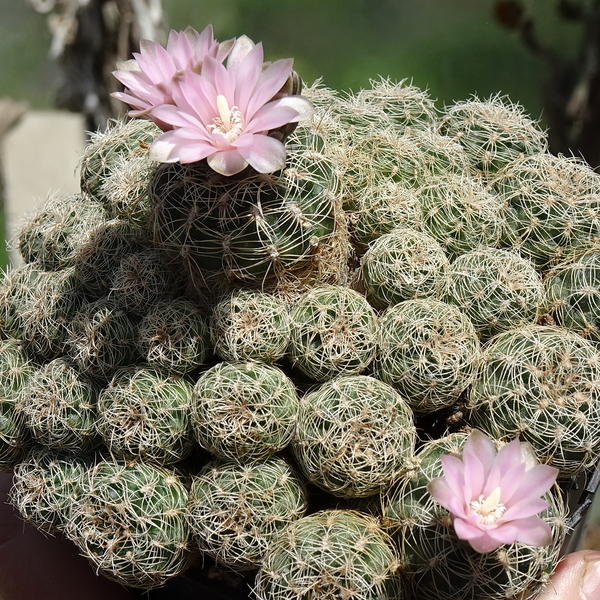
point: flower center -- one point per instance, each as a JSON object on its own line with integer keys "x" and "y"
{"x": 489, "y": 509}
{"x": 229, "y": 123}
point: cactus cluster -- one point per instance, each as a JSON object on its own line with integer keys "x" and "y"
{"x": 264, "y": 368}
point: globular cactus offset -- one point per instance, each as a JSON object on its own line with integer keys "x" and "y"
{"x": 244, "y": 411}
{"x": 541, "y": 383}
{"x": 174, "y": 336}
{"x": 436, "y": 564}
{"x": 429, "y": 351}
{"x": 47, "y": 485}
{"x": 237, "y": 510}
{"x": 60, "y": 408}
{"x": 573, "y": 293}
{"x": 354, "y": 435}
{"x": 130, "y": 523}
{"x": 497, "y": 289}
{"x": 493, "y": 132}
{"x": 144, "y": 414}
{"x": 15, "y": 371}
{"x": 403, "y": 265}
{"x": 334, "y": 331}
{"x": 330, "y": 554}
{"x": 250, "y": 326}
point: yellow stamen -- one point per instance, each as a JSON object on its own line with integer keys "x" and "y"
{"x": 491, "y": 502}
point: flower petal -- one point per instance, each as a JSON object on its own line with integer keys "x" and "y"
{"x": 466, "y": 531}
{"x": 536, "y": 482}
{"x": 269, "y": 83}
{"x": 525, "y": 508}
{"x": 444, "y": 495}
{"x": 270, "y": 118}
{"x": 478, "y": 458}
{"x": 534, "y": 531}
{"x": 242, "y": 46}
{"x": 455, "y": 476}
{"x": 266, "y": 154}
{"x": 227, "y": 162}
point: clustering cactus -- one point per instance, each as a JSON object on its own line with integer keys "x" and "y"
{"x": 130, "y": 522}
{"x": 287, "y": 338}
{"x": 144, "y": 414}
{"x": 250, "y": 326}
{"x": 492, "y": 132}
{"x": 542, "y": 383}
{"x": 236, "y": 510}
{"x": 403, "y": 265}
{"x": 497, "y": 289}
{"x": 244, "y": 411}
{"x": 334, "y": 331}
{"x": 436, "y": 564}
{"x": 330, "y": 554}
{"x": 573, "y": 294}
{"x": 429, "y": 351}
{"x": 355, "y": 434}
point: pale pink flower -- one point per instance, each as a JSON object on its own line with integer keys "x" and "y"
{"x": 494, "y": 499}
{"x": 224, "y": 114}
{"x": 152, "y": 75}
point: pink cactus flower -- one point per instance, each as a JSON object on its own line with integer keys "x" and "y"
{"x": 224, "y": 113}
{"x": 494, "y": 499}
{"x": 151, "y": 76}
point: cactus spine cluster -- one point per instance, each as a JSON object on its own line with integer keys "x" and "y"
{"x": 242, "y": 367}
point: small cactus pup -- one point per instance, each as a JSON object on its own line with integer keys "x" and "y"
{"x": 249, "y": 325}
{"x": 460, "y": 213}
{"x": 46, "y": 486}
{"x": 123, "y": 140}
{"x": 60, "y": 408}
{"x": 493, "y": 132}
{"x": 408, "y": 107}
{"x": 236, "y": 510}
{"x": 50, "y": 238}
{"x": 244, "y": 411}
{"x": 387, "y": 207}
{"x": 541, "y": 383}
{"x": 440, "y": 557}
{"x": 429, "y": 351}
{"x": 354, "y": 435}
{"x": 15, "y": 371}
{"x": 497, "y": 289}
{"x": 573, "y": 293}
{"x": 330, "y": 554}
{"x": 145, "y": 414}
{"x": 131, "y": 523}
{"x": 102, "y": 339}
{"x": 551, "y": 207}
{"x": 174, "y": 336}
{"x": 334, "y": 331}
{"x": 403, "y": 265}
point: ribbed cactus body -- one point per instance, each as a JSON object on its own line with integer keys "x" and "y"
{"x": 130, "y": 523}
{"x": 51, "y": 237}
{"x": 354, "y": 435}
{"x": 244, "y": 411}
{"x": 436, "y": 564}
{"x": 47, "y": 485}
{"x": 573, "y": 294}
{"x": 250, "y": 326}
{"x": 429, "y": 351}
{"x": 493, "y": 132}
{"x": 249, "y": 229}
{"x": 403, "y": 265}
{"x": 551, "y": 207}
{"x": 144, "y": 414}
{"x": 174, "y": 336}
{"x": 330, "y": 554}
{"x": 460, "y": 213}
{"x": 541, "y": 383}
{"x": 15, "y": 371}
{"x": 334, "y": 331}
{"x": 60, "y": 408}
{"x": 497, "y": 289}
{"x": 237, "y": 510}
